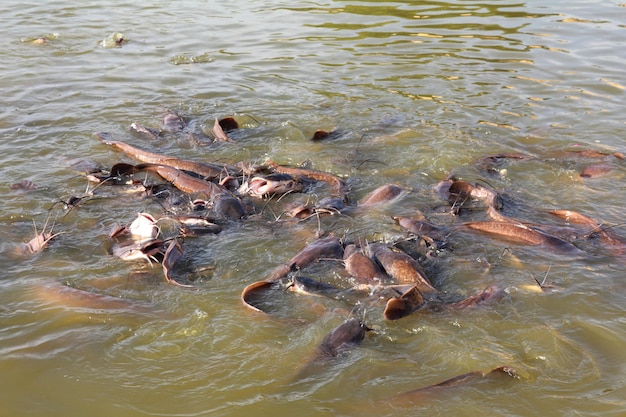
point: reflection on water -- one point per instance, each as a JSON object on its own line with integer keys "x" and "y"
{"x": 418, "y": 91}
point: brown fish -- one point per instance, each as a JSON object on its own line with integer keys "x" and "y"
{"x": 173, "y": 253}
{"x": 597, "y": 228}
{"x": 521, "y": 234}
{"x": 574, "y": 217}
{"x": 590, "y": 153}
{"x": 421, "y": 227}
{"x": 326, "y": 206}
{"x": 312, "y": 286}
{"x": 173, "y": 122}
{"x": 252, "y": 294}
{"x": 344, "y": 337}
{"x": 337, "y": 186}
{"x": 596, "y": 170}
{"x": 273, "y": 184}
{"x": 462, "y": 192}
{"x": 229, "y": 207}
{"x": 328, "y": 247}
{"x": 129, "y": 250}
{"x": 219, "y": 133}
{"x": 422, "y": 394}
{"x": 382, "y": 194}
{"x": 489, "y": 294}
{"x": 361, "y": 267}
{"x": 185, "y": 182}
{"x": 65, "y": 297}
{"x": 228, "y": 123}
{"x": 320, "y": 134}
{"x": 41, "y": 239}
{"x": 194, "y": 226}
{"x": 407, "y": 303}
{"x": 146, "y": 132}
{"x": 25, "y": 185}
{"x": 491, "y": 164}
{"x": 403, "y": 268}
{"x": 202, "y": 169}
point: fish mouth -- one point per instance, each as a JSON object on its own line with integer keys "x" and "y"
{"x": 265, "y": 186}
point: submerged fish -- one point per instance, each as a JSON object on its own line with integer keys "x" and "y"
{"x": 442, "y": 388}
{"x": 344, "y": 337}
{"x": 382, "y": 194}
{"x": 522, "y": 234}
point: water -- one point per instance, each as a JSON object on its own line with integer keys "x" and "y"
{"x": 420, "y": 90}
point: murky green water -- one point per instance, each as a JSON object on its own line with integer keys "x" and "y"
{"x": 421, "y": 90}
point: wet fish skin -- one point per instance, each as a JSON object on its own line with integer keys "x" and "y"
{"x": 202, "y": 169}
{"x": 345, "y": 336}
{"x": 328, "y": 247}
{"x": 382, "y": 194}
{"x": 403, "y": 268}
{"x": 338, "y": 187}
{"x": 361, "y": 267}
{"x": 521, "y": 234}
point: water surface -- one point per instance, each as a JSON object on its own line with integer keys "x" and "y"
{"x": 420, "y": 90}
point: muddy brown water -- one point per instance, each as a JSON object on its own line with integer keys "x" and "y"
{"x": 419, "y": 90}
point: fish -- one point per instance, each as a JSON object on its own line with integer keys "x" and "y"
{"x": 224, "y": 203}
{"x": 462, "y": 194}
{"x": 229, "y": 207}
{"x": 25, "y": 185}
{"x": 347, "y": 335}
{"x": 403, "y": 268}
{"x": 328, "y": 247}
{"x": 66, "y": 297}
{"x": 441, "y": 388}
{"x": 596, "y": 170}
{"x": 185, "y": 182}
{"x": 326, "y": 206}
{"x": 382, "y": 194}
{"x": 604, "y": 232}
{"x": 409, "y": 302}
{"x": 273, "y": 184}
{"x": 173, "y": 122}
{"x": 202, "y": 169}
{"x": 491, "y": 293}
{"x": 253, "y": 294}
{"x": 421, "y": 227}
{"x": 131, "y": 250}
{"x": 522, "y": 234}
{"x": 195, "y": 226}
{"x": 40, "y": 241}
{"x": 312, "y": 286}
{"x": 144, "y": 227}
{"x": 321, "y": 134}
{"x": 146, "y": 132}
{"x": 219, "y": 133}
{"x": 338, "y": 187}
{"x": 340, "y": 340}
{"x": 589, "y": 153}
{"x": 228, "y": 123}
{"x": 361, "y": 267}
{"x": 173, "y": 253}
{"x": 491, "y": 163}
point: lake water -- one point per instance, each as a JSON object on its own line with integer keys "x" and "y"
{"x": 418, "y": 91}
